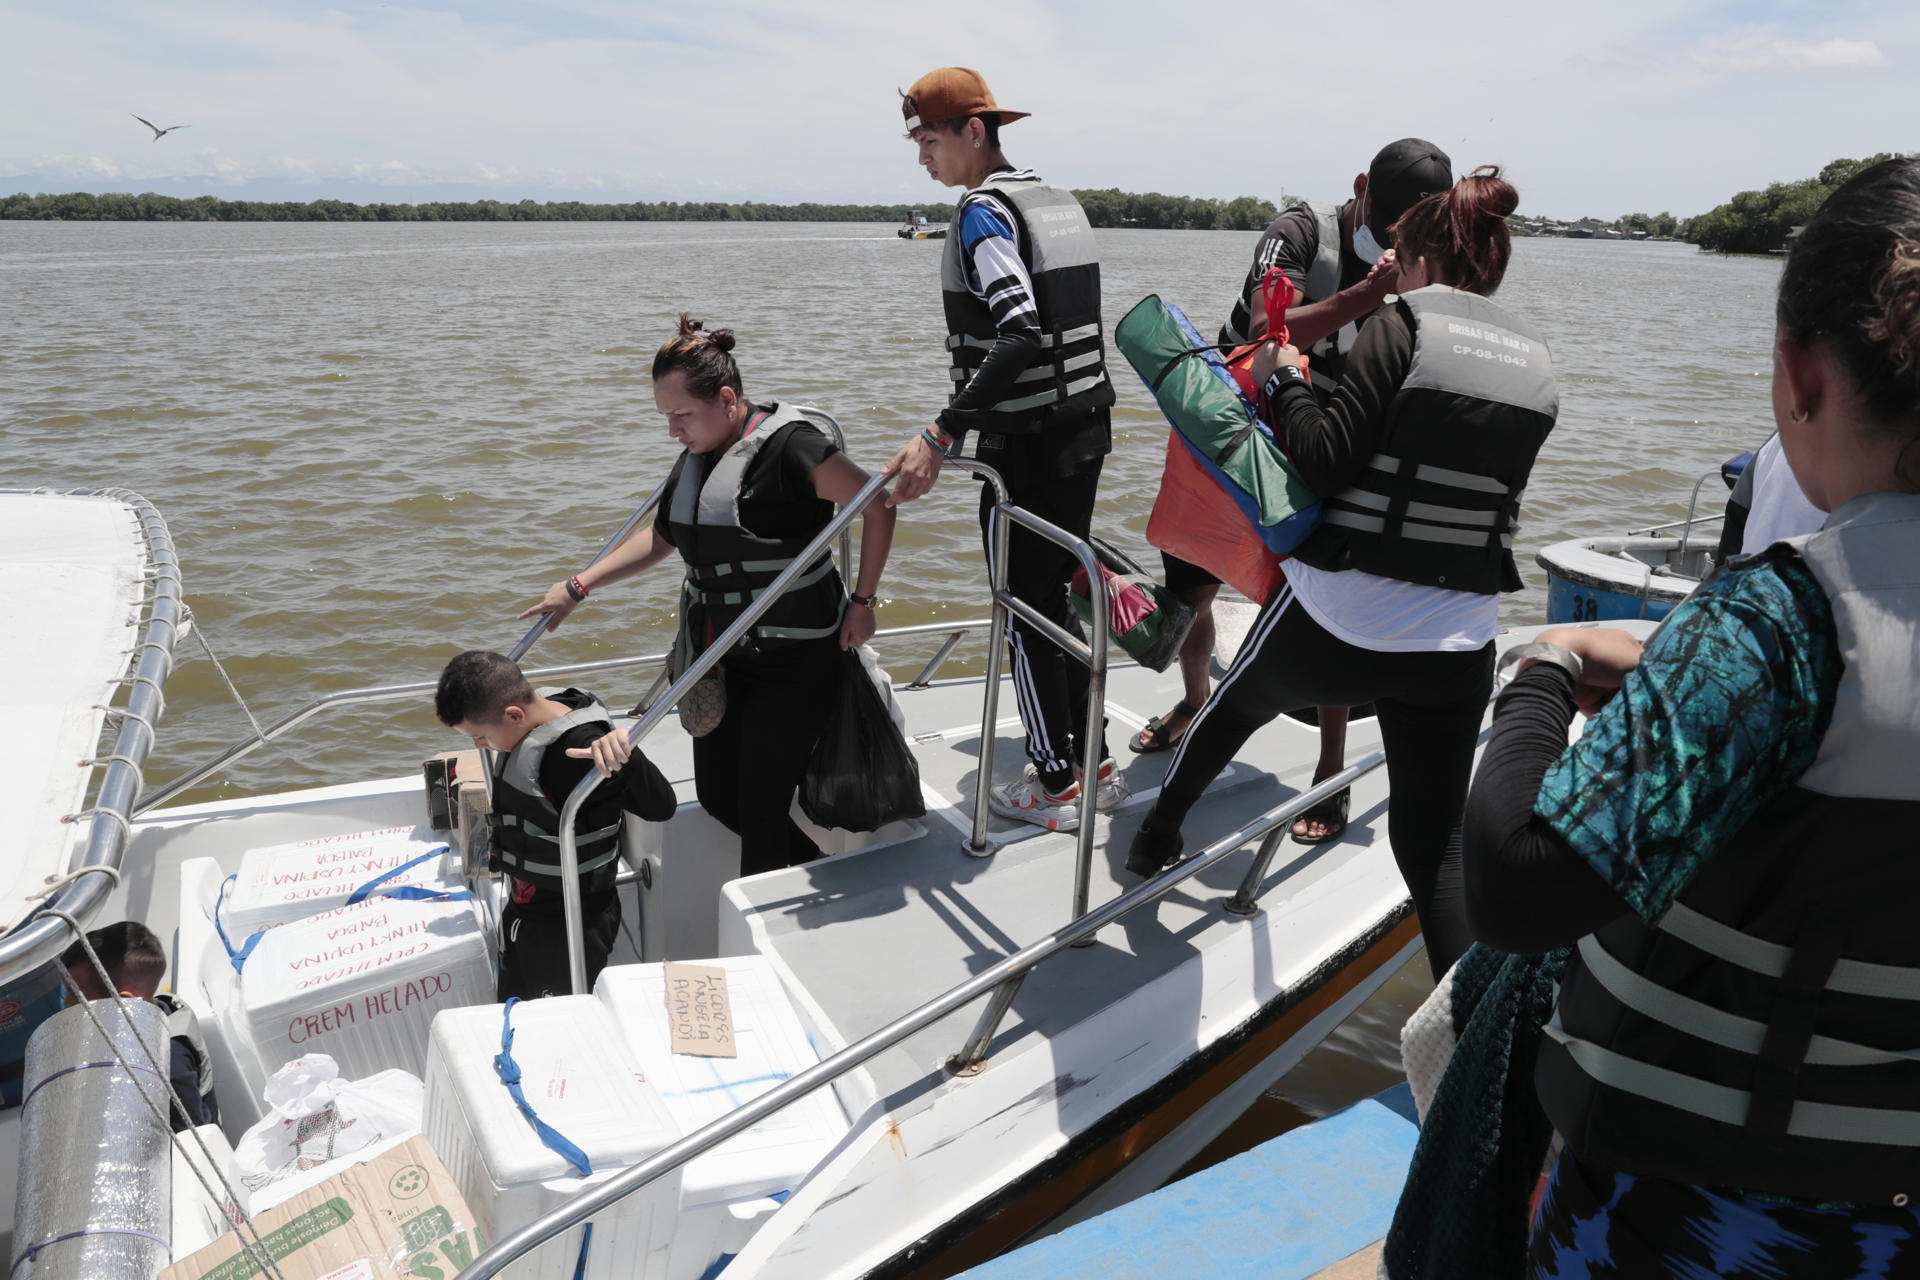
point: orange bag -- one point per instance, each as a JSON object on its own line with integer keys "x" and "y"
{"x": 1196, "y": 521}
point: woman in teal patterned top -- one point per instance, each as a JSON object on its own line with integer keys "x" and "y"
{"x": 1729, "y": 845}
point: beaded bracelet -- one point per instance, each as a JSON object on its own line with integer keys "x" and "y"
{"x": 577, "y": 589}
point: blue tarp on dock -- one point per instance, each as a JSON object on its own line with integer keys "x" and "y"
{"x": 1282, "y": 1211}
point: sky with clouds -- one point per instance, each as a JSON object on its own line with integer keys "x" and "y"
{"x": 1598, "y": 109}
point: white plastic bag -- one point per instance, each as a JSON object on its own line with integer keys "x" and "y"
{"x": 315, "y": 1118}
{"x": 884, "y": 683}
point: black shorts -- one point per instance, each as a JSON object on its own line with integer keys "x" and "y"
{"x": 1183, "y": 576}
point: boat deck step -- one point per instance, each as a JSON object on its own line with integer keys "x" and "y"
{"x": 1311, "y": 1202}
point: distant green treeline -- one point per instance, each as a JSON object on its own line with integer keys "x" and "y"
{"x": 1108, "y": 208}
{"x": 1759, "y": 221}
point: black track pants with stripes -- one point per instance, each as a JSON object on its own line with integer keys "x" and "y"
{"x": 1429, "y": 705}
{"x": 1049, "y": 684}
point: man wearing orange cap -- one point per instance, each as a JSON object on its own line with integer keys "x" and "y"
{"x": 1021, "y": 289}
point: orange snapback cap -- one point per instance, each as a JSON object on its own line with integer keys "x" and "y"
{"x": 952, "y": 93}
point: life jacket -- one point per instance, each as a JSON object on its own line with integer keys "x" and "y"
{"x": 1439, "y": 503}
{"x": 1322, "y": 282}
{"x": 727, "y": 567}
{"x": 1055, "y": 242}
{"x": 524, "y": 821}
{"x": 1765, "y": 1034}
{"x": 184, "y": 1024}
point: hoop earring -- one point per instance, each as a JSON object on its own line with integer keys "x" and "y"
{"x": 1797, "y": 418}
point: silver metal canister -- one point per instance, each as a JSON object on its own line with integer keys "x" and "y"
{"x": 95, "y": 1165}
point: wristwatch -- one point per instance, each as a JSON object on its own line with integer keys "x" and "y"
{"x": 1540, "y": 651}
{"x": 865, "y": 602}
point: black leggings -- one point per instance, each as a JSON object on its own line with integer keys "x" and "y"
{"x": 746, "y": 771}
{"x": 1429, "y": 705}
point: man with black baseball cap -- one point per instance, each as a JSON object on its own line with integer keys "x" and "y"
{"x": 1342, "y": 270}
{"x": 1020, "y": 285}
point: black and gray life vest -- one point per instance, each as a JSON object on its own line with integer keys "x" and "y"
{"x": 1439, "y": 503}
{"x": 1765, "y": 1035}
{"x": 184, "y": 1024}
{"x": 1055, "y": 242}
{"x": 728, "y": 567}
{"x": 524, "y": 823}
{"x": 1323, "y": 281}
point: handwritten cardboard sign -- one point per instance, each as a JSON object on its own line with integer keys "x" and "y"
{"x": 699, "y": 1013}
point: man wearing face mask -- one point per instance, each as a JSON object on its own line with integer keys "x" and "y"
{"x": 1341, "y": 273}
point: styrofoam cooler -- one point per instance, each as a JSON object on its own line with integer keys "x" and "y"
{"x": 581, "y": 1080}
{"x": 772, "y": 1157}
{"x": 286, "y": 882}
{"x": 362, "y": 983}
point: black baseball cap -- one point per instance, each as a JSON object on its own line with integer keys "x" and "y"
{"x": 1401, "y": 176}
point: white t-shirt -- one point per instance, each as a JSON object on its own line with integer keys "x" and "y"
{"x": 1390, "y": 616}
{"x": 1780, "y": 509}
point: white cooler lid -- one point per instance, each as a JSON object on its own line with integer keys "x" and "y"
{"x": 376, "y": 943}
{"x": 772, "y": 1047}
{"x": 576, "y": 1073}
{"x": 284, "y": 882}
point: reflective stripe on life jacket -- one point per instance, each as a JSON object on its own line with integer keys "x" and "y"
{"x": 1765, "y": 1034}
{"x": 1439, "y": 504}
{"x": 524, "y": 822}
{"x": 1055, "y": 242}
{"x": 728, "y": 566}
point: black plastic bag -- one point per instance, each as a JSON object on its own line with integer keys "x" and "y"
{"x": 862, "y": 775}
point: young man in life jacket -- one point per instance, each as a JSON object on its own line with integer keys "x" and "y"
{"x": 1341, "y": 275}
{"x": 1021, "y": 289}
{"x": 136, "y": 962}
{"x": 543, "y": 745}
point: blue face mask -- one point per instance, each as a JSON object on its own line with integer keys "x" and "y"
{"x": 1365, "y": 247}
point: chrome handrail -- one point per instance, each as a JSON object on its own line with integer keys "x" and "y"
{"x": 1093, "y": 652}
{"x": 570, "y": 811}
{"x": 356, "y": 697}
{"x": 41, "y": 938}
{"x": 421, "y": 688}
{"x": 1012, "y": 969}
{"x": 532, "y": 637}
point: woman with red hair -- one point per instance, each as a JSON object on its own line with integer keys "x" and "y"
{"x": 1420, "y": 454}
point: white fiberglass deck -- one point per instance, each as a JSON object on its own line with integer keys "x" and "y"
{"x": 71, "y": 568}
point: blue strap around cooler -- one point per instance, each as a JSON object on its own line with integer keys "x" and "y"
{"x": 237, "y": 958}
{"x": 408, "y": 892}
{"x": 509, "y": 1072}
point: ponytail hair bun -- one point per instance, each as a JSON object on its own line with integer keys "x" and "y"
{"x": 704, "y": 358}
{"x": 695, "y": 330}
{"x": 1462, "y": 231}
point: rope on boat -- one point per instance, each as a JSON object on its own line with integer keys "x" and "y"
{"x": 200, "y": 633}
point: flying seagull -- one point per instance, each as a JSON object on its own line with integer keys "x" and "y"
{"x": 158, "y": 132}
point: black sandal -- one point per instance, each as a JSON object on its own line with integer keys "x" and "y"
{"x": 1332, "y": 811}
{"x": 1159, "y": 734}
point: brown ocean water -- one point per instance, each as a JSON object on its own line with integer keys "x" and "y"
{"x": 375, "y": 443}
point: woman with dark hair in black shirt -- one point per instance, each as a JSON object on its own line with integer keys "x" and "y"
{"x": 1420, "y": 456}
{"x": 754, "y": 485}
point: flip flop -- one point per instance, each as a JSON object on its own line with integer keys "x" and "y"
{"x": 1159, "y": 736}
{"x": 1332, "y": 811}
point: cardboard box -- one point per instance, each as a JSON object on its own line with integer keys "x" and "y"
{"x": 472, "y": 844}
{"x": 397, "y": 1216}
{"x": 443, "y": 771}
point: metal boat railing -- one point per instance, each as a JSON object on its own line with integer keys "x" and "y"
{"x": 41, "y": 938}
{"x": 1001, "y": 980}
{"x": 1005, "y": 515}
